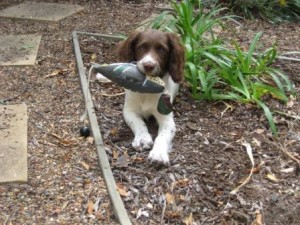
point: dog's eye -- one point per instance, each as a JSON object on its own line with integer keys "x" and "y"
{"x": 142, "y": 48}
{"x": 161, "y": 50}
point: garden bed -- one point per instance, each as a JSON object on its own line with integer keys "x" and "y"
{"x": 208, "y": 159}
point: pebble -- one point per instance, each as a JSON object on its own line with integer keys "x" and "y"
{"x": 274, "y": 198}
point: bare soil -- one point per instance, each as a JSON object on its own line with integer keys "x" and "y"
{"x": 208, "y": 160}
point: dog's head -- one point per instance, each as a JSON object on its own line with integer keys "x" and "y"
{"x": 155, "y": 52}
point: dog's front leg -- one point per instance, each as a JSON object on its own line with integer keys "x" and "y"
{"x": 163, "y": 142}
{"x": 142, "y": 138}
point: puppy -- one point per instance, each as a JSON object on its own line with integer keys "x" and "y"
{"x": 159, "y": 54}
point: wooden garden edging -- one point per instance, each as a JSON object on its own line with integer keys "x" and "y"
{"x": 118, "y": 206}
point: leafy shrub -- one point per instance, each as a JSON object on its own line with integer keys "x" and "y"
{"x": 274, "y": 10}
{"x": 217, "y": 72}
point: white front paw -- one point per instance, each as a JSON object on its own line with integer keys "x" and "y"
{"x": 160, "y": 156}
{"x": 142, "y": 142}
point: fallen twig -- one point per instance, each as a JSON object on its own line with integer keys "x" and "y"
{"x": 163, "y": 213}
{"x": 56, "y": 73}
{"x": 285, "y": 151}
{"x": 249, "y": 152}
{"x": 289, "y": 58}
{"x": 112, "y": 95}
{"x": 287, "y": 115}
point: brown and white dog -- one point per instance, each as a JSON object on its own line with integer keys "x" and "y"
{"x": 160, "y": 54}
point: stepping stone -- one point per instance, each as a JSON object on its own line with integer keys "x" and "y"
{"x": 40, "y": 11}
{"x": 13, "y": 143}
{"x": 19, "y": 49}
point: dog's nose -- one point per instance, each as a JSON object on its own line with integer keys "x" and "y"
{"x": 148, "y": 66}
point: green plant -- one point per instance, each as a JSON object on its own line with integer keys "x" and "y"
{"x": 274, "y": 10}
{"x": 196, "y": 30}
{"x": 251, "y": 77}
{"x": 218, "y": 72}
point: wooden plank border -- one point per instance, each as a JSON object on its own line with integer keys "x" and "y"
{"x": 118, "y": 206}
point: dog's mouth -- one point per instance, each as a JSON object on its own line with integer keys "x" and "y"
{"x": 155, "y": 73}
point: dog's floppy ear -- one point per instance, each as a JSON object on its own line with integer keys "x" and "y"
{"x": 176, "y": 58}
{"x": 126, "y": 48}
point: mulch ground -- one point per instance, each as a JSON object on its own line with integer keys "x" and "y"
{"x": 209, "y": 157}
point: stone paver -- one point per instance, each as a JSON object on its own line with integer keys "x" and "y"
{"x": 19, "y": 49}
{"x": 40, "y": 11}
{"x": 13, "y": 143}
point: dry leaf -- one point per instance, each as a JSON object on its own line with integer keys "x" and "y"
{"x": 288, "y": 170}
{"x": 142, "y": 212}
{"x": 218, "y": 166}
{"x": 219, "y": 192}
{"x": 57, "y": 211}
{"x": 67, "y": 142}
{"x": 149, "y": 206}
{"x": 206, "y": 142}
{"x": 85, "y": 165}
{"x": 183, "y": 182}
{"x": 290, "y": 103}
{"x": 256, "y": 142}
{"x": 243, "y": 179}
{"x": 272, "y": 177}
{"x": 170, "y": 198}
{"x": 192, "y": 126}
{"x": 181, "y": 198}
{"x": 257, "y": 168}
{"x": 64, "y": 205}
{"x": 56, "y": 72}
{"x": 56, "y": 135}
{"x": 114, "y": 132}
{"x": 224, "y": 222}
{"x": 137, "y": 159}
{"x": 67, "y": 156}
{"x": 93, "y": 57}
{"x": 96, "y": 204}
{"x": 259, "y": 131}
{"x": 90, "y": 140}
{"x": 241, "y": 200}
{"x": 90, "y": 207}
{"x": 258, "y": 219}
{"x": 115, "y": 154}
{"x": 99, "y": 215}
{"x": 63, "y": 141}
{"x": 188, "y": 220}
{"x": 122, "y": 191}
{"x": 227, "y": 107}
{"x": 173, "y": 214}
